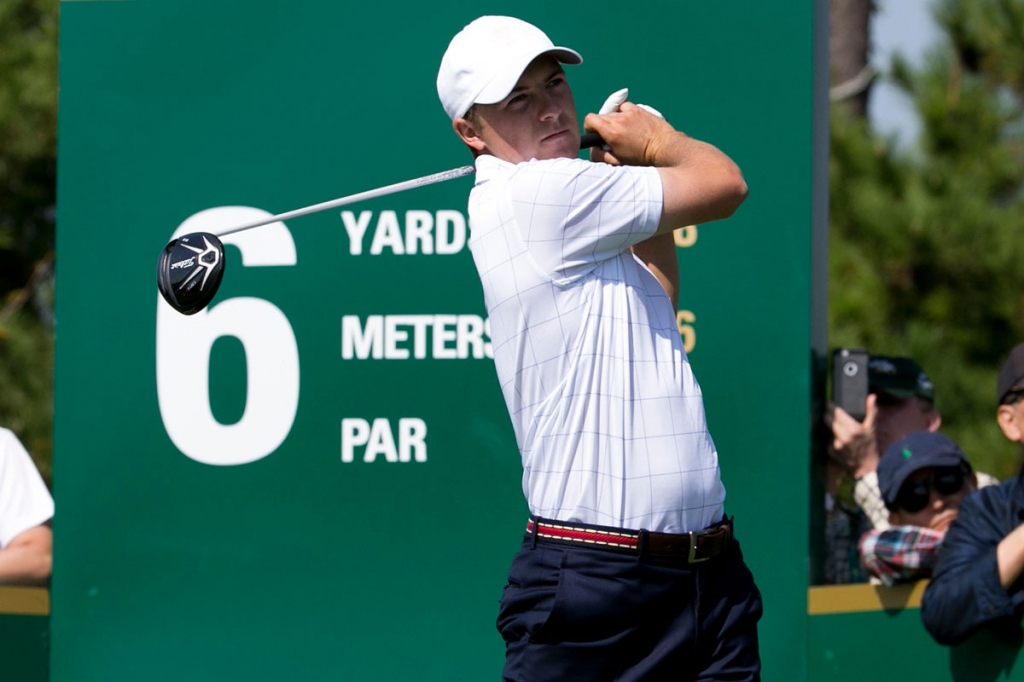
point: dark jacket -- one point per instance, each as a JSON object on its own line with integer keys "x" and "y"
{"x": 965, "y": 594}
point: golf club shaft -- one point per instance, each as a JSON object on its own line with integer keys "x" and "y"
{"x": 588, "y": 140}
{"x": 361, "y": 196}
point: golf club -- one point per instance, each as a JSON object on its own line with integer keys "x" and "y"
{"x": 191, "y": 267}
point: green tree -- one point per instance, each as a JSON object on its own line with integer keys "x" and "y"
{"x": 28, "y": 153}
{"x": 926, "y": 243}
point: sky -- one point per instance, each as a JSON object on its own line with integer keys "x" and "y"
{"x": 905, "y": 26}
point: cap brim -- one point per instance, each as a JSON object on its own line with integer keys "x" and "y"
{"x": 895, "y": 392}
{"x": 946, "y": 459}
{"x": 499, "y": 88}
{"x": 1016, "y": 388}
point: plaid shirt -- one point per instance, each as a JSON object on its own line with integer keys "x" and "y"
{"x": 869, "y": 498}
{"x": 900, "y": 553}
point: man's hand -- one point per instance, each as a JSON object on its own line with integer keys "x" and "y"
{"x": 699, "y": 182}
{"x": 853, "y": 443}
{"x": 1010, "y": 557}
{"x": 634, "y": 137}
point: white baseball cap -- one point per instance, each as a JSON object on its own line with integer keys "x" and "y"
{"x": 484, "y": 61}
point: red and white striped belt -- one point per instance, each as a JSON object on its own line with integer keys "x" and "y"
{"x": 695, "y": 546}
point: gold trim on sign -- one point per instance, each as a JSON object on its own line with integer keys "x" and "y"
{"x": 24, "y": 601}
{"x": 828, "y": 599}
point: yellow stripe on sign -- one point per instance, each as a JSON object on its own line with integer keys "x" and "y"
{"x": 24, "y": 601}
{"x": 832, "y": 599}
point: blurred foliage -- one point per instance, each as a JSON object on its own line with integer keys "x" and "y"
{"x": 28, "y": 135}
{"x": 28, "y": 156}
{"x": 926, "y": 242}
{"x": 26, "y": 384}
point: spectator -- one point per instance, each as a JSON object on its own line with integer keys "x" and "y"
{"x": 977, "y": 581}
{"x": 923, "y": 478}
{"x": 901, "y": 401}
{"x": 26, "y": 542}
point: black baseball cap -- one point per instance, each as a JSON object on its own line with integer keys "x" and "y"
{"x": 1011, "y": 376}
{"x": 900, "y": 377}
{"x": 914, "y": 452}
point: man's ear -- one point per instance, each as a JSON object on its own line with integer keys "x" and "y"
{"x": 934, "y": 420}
{"x": 469, "y": 134}
{"x": 1006, "y": 415}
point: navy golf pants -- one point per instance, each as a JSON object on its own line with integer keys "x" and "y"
{"x": 595, "y": 615}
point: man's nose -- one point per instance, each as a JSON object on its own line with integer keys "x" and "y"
{"x": 938, "y": 501}
{"x": 549, "y": 108}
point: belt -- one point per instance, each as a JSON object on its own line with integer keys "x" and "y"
{"x": 695, "y": 546}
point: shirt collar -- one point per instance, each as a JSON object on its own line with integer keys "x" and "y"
{"x": 488, "y": 166}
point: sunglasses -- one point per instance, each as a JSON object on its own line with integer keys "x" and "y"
{"x": 913, "y": 497}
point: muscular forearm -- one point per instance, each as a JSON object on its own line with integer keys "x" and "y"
{"x": 700, "y": 183}
{"x": 28, "y": 559}
{"x": 1010, "y": 557}
{"x": 659, "y": 255}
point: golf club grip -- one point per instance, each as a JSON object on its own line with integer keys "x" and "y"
{"x": 590, "y": 140}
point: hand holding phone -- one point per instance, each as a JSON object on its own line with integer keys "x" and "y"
{"x": 850, "y": 380}
{"x": 853, "y": 429}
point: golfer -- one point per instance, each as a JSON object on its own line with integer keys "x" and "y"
{"x": 628, "y": 569}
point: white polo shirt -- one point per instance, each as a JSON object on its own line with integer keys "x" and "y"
{"x": 24, "y": 500}
{"x": 607, "y": 413}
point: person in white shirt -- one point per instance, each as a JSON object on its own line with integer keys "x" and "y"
{"x": 26, "y": 507}
{"x": 629, "y": 569}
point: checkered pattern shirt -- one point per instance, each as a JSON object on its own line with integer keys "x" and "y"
{"x": 607, "y": 414}
{"x": 869, "y": 498}
{"x": 901, "y": 552}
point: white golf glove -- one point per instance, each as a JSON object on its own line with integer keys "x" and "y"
{"x": 616, "y": 99}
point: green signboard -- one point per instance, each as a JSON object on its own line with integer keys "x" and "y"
{"x": 315, "y": 478}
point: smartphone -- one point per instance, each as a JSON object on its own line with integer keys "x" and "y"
{"x": 850, "y": 380}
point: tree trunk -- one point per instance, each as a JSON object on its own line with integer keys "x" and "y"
{"x": 849, "y": 47}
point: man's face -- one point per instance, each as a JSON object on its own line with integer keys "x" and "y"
{"x": 899, "y": 417}
{"x": 537, "y": 120}
{"x": 943, "y": 497}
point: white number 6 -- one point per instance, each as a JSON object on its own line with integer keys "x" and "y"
{"x": 183, "y": 344}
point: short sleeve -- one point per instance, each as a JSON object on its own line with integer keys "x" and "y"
{"x": 575, "y": 214}
{"x": 24, "y": 500}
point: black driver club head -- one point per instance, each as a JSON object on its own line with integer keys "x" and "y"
{"x": 189, "y": 271}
